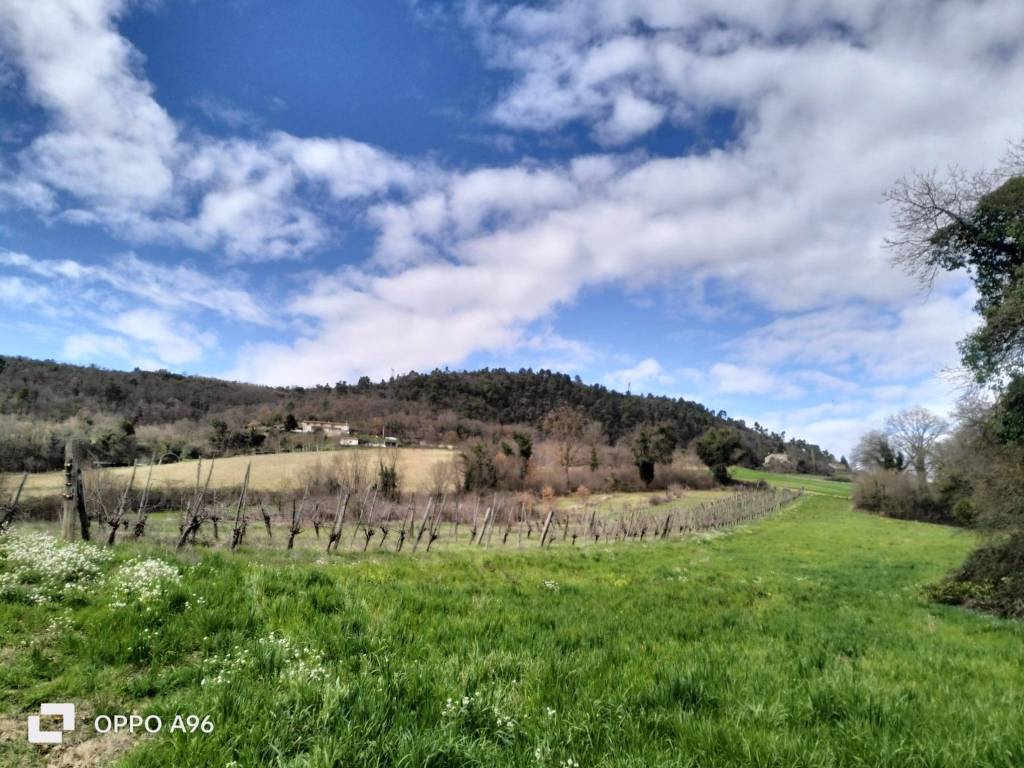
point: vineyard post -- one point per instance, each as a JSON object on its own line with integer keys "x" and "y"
{"x": 140, "y": 522}
{"x": 547, "y": 524}
{"x": 238, "y": 533}
{"x": 423, "y": 523}
{"x": 339, "y": 520}
{"x": 73, "y": 518}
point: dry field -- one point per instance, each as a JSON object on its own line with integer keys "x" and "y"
{"x": 270, "y": 472}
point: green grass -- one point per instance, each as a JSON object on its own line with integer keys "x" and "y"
{"x": 802, "y": 640}
{"x": 810, "y": 483}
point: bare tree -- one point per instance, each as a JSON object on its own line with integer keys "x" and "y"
{"x": 566, "y": 426}
{"x": 916, "y": 431}
{"x": 874, "y": 451}
{"x": 927, "y": 204}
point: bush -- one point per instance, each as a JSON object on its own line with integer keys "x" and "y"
{"x": 899, "y": 495}
{"x": 992, "y": 579}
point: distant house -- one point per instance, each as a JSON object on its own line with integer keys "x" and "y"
{"x": 778, "y": 462}
{"x": 349, "y": 442}
{"x": 327, "y": 427}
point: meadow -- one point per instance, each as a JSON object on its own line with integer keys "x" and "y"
{"x": 270, "y": 471}
{"x": 803, "y": 639}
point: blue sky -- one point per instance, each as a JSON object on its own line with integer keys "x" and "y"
{"x": 678, "y": 196}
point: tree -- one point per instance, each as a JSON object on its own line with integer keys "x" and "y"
{"x": 973, "y": 223}
{"x": 915, "y": 432}
{"x": 717, "y": 448}
{"x": 290, "y": 423}
{"x": 875, "y": 451}
{"x": 478, "y": 468}
{"x": 565, "y": 425}
{"x": 524, "y": 445}
{"x": 652, "y": 446}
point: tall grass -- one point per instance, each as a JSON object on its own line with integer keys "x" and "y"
{"x": 801, "y": 640}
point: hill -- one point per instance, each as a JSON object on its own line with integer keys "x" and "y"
{"x": 441, "y": 406}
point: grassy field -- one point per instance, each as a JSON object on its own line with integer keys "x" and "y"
{"x": 810, "y": 483}
{"x": 801, "y": 640}
{"x": 270, "y": 471}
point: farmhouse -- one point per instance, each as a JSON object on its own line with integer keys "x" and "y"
{"x": 327, "y": 427}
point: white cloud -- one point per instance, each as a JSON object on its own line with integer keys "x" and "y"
{"x": 171, "y": 341}
{"x": 170, "y": 287}
{"x": 90, "y": 346}
{"x": 125, "y": 164}
{"x": 636, "y": 378}
{"x": 16, "y": 292}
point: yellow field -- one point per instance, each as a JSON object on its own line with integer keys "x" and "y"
{"x": 270, "y": 472}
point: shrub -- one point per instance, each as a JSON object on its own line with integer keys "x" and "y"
{"x": 899, "y": 495}
{"x": 992, "y": 579}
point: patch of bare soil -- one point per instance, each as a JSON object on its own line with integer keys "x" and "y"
{"x": 97, "y": 751}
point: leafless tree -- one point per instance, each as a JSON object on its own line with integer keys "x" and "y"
{"x": 874, "y": 450}
{"x": 924, "y": 203}
{"x": 915, "y": 431}
{"x": 566, "y": 426}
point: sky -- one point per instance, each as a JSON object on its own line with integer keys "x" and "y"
{"x": 682, "y": 197}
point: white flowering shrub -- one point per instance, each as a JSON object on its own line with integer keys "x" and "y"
{"x": 141, "y": 582}
{"x": 276, "y": 655}
{"x": 40, "y": 568}
{"x": 551, "y": 586}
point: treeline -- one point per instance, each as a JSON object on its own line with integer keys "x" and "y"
{"x": 141, "y": 413}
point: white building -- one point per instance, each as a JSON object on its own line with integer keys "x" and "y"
{"x": 327, "y": 427}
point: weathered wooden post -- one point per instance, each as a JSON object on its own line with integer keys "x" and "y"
{"x": 547, "y": 524}
{"x": 339, "y": 520}
{"x": 423, "y": 523}
{"x": 74, "y": 519}
{"x": 140, "y": 522}
{"x": 238, "y": 533}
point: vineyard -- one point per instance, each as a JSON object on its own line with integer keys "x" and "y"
{"x": 363, "y": 514}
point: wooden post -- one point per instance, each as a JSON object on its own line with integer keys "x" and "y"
{"x": 239, "y": 530}
{"x": 483, "y": 526}
{"x": 339, "y": 520}
{"x": 74, "y": 520}
{"x": 423, "y": 523}
{"x": 140, "y": 522}
{"x": 547, "y": 524}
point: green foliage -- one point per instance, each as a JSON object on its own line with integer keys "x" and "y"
{"x": 479, "y": 470}
{"x": 290, "y": 423}
{"x": 651, "y": 446}
{"x": 988, "y": 242}
{"x": 388, "y": 479}
{"x": 1008, "y": 415}
{"x": 717, "y": 448}
{"x": 991, "y": 580}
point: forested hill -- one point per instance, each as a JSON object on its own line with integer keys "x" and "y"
{"x": 45, "y": 390}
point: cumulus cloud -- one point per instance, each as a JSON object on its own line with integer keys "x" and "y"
{"x": 637, "y": 377}
{"x": 123, "y": 163}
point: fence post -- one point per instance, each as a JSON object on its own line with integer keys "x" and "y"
{"x": 74, "y": 519}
